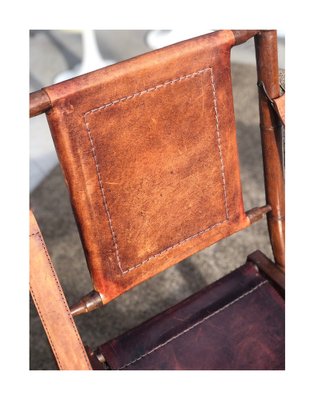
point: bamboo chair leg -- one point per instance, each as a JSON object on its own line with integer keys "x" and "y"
{"x": 271, "y": 135}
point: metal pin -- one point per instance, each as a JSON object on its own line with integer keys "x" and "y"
{"x": 89, "y": 302}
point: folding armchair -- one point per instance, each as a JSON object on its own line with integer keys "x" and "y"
{"x": 149, "y": 154}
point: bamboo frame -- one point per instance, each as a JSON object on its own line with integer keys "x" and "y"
{"x": 271, "y": 137}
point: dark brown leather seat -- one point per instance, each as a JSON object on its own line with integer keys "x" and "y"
{"x": 236, "y": 323}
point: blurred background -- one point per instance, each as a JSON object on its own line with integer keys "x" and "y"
{"x": 56, "y": 55}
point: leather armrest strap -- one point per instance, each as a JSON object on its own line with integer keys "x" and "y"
{"x": 279, "y": 107}
{"x": 52, "y": 306}
{"x": 277, "y": 103}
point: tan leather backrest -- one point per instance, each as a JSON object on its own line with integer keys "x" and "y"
{"x": 148, "y": 150}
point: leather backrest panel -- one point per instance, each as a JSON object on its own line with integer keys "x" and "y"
{"x": 148, "y": 150}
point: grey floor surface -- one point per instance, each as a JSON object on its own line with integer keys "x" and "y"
{"x": 51, "y": 206}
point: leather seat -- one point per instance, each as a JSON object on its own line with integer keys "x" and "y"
{"x": 236, "y": 323}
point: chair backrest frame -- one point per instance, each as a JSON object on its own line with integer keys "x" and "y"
{"x": 272, "y": 141}
{"x": 59, "y": 101}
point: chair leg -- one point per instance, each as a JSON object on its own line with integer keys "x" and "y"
{"x": 271, "y": 136}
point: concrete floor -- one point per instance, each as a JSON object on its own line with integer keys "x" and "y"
{"x": 50, "y": 203}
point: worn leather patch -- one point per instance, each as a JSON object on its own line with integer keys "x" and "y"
{"x": 160, "y": 166}
{"x": 149, "y": 153}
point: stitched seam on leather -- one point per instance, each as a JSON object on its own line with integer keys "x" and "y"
{"x": 62, "y": 298}
{"x": 33, "y": 234}
{"x": 149, "y": 90}
{"x": 196, "y": 324}
{"x": 113, "y": 235}
{"x": 219, "y": 144}
{"x": 174, "y": 246}
{"x": 46, "y": 328}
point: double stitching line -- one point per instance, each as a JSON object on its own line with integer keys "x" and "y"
{"x": 64, "y": 302}
{"x": 195, "y": 325}
{"x": 93, "y": 148}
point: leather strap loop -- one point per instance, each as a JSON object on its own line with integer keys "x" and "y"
{"x": 278, "y": 103}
